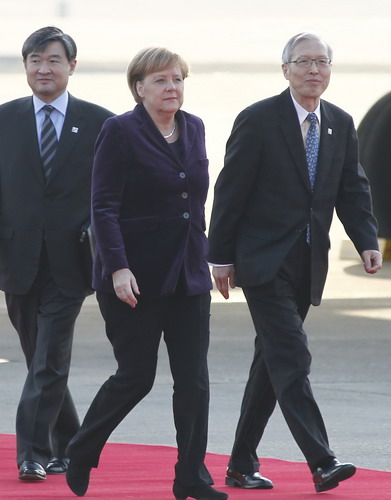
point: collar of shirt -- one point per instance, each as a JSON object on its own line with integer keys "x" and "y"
{"x": 60, "y": 103}
{"x": 303, "y": 113}
{"x": 57, "y": 116}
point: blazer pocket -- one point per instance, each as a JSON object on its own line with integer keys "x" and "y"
{"x": 6, "y": 232}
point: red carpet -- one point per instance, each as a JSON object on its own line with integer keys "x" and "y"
{"x": 139, "y": 472}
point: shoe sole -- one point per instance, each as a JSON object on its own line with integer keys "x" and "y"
{"x": 230, "y": 481}
{"x": 221, "y": 495}
{"x": 334, "y": 482}
{"x": 325, "y": 487}
{"x": 32, "y": 477}
{"x": 201, "y": 498}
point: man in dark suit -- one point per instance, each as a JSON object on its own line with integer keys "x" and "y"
{"x": 45, "y": 170}
{"x": 274, "y": 200}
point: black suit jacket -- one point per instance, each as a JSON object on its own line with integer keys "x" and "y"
{"x": 34, "y": 210}
{"x": 263, "y": 198}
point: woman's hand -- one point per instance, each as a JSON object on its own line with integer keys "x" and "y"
{"x": 125, "y": 286}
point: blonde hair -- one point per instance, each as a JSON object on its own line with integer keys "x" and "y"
{"x": 150, "y": 60}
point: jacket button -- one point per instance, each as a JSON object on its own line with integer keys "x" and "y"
{"x": 186, "y": 215}
{"x": 184, "y": 195}
{"x": 182, "y": 175}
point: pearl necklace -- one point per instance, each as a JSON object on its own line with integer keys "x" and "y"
{"x": 171, "y": 133}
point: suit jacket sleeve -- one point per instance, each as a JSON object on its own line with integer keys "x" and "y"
{"x": 108, "y": 182}
{"x": 233, "y": 187}
{"x": 354, "y": 201}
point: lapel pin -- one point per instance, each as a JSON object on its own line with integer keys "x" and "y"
{"x": 330, "y": 131}
{"x": 75, "y": 130}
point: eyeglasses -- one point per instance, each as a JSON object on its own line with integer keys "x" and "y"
{"x": 307, "y": 63}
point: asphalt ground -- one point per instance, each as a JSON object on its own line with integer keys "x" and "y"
{"x": 349, "y": 337}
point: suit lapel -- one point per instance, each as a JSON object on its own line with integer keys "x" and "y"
{"x": 326, "y": 146}
{"x": 27, "y": 131}
{"x": 149, "y": 128}
{"x": 293, "y": 136}
{"x": 186, "y": 134}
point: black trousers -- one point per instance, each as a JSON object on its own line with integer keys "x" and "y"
{"x": 46, "y": 417}
{"x": 281, "y": 365}
{"x": 135, "y": 336}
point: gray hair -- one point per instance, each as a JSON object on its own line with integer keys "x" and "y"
{"x": 291, "y": 44}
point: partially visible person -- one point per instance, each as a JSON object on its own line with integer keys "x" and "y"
{"x": 150, "y": 181}
{"x": 375, "y": 149}
{"x": 290, "y": 161}
{"x": 46, "y": 153}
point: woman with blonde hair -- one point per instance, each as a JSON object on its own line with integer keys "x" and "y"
{"x": 150, "y": 182}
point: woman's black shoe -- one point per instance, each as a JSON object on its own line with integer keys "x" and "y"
{"x": 201, "y": 492}
{"x": 78, "y": 478}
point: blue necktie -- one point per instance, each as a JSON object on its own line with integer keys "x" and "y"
{"x": 312, "y": 146}
{"x": 48, "y": 140}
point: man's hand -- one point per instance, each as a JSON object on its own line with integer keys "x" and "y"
{"x": 125, "y": 286}
{"x": 372, "y": 261}
{"x": 224, "y": 277}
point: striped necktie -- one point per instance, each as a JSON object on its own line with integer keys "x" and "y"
{"x": 48, "y": 140}
{"x": 312, "y": 146}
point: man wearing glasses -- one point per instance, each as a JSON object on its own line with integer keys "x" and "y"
{"x": 290, "y": 161}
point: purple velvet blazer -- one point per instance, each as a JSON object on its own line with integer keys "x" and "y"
{"x": 148, "y": 205}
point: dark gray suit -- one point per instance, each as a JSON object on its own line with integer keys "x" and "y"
{"x": 262, "y": 207}
{"x": 41, "y": 266}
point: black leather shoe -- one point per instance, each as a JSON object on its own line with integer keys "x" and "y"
{"x": 201, "y": 492}
{"x": 57, "y": 466}
{"x": 78, "y": 478}
{"x": 31, "y": 471}
{"x": 250, "y": 481}
{"x": 329, "y": 477}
